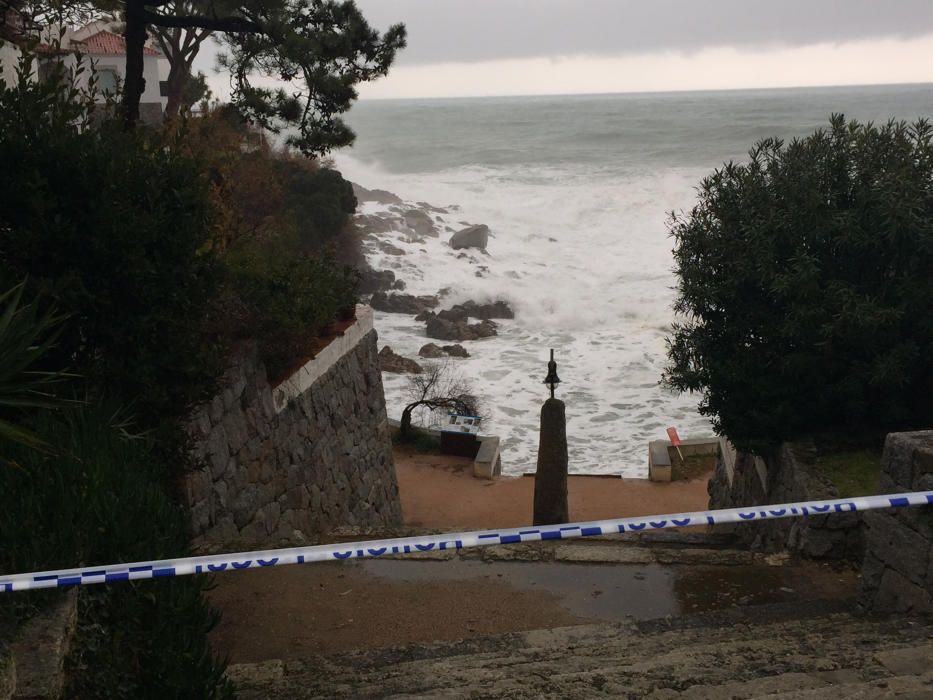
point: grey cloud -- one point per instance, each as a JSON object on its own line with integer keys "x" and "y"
{"x": 476, "y": 30}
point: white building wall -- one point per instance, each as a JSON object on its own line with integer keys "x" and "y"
{"x": 9, "y": 59}
{"x": 151, "y": 76}
{"x": 164, "y": 69}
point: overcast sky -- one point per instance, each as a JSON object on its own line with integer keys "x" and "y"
{"x": 502, "y": 47}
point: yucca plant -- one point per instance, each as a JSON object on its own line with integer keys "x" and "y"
{"x": 27, "y": 333}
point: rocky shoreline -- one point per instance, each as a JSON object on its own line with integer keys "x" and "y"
{"x": 385, "y": 225}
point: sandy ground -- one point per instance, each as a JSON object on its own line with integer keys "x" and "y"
{"x": 439, "y": 491}
{"x": 290, "y": 612}
{"x": 325, "y": 609}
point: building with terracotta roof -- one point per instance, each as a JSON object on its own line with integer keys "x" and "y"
{"x": 105, "y": 49}
{"x": 100, "y": 46}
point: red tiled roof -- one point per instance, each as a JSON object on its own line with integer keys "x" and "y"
{"x": 106, "y": 43}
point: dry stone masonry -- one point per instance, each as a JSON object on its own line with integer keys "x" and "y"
{"x": 304, "y": 457}
{"x": 789, "y": 476}
{"x": 897, "y": 575}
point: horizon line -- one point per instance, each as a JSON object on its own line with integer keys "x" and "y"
{"x": 771, "y": 88}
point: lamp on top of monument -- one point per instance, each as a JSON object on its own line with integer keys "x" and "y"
{"x": 552, "y": 379}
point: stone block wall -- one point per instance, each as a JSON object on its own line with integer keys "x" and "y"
{"x": 788, "y": 476}
{"x": 32, "y": 663}
{"x": 897, "y": 573}
{"x": 304, "y": 457}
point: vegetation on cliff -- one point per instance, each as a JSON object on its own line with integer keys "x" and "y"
{"x": 130, "y": 262}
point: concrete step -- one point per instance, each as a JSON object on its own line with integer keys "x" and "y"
{"x": 812, "y": 657}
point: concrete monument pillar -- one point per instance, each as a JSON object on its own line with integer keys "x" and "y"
{"x": 550, "y": 506}
{"x": 551, "y": 475}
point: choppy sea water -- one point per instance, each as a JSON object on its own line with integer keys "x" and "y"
{"x": 577, "y": 192}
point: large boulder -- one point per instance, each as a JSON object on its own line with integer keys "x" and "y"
{"x": 455, "y": 314}
{"x": 431, "y": 351}
{"x": 402, "y": 303}
{"x": 373, "y": 223}
{"x": 455, "y": 350}
{"x": 470, "y": 309}
{"x": 372, "y": 281}
{"x": 442, "y": 329}
{"x": 389, "y": 361}
{"x": 497, "y": 309}
{"x": 420, "y": 222}
{"x": 471, "y": 237}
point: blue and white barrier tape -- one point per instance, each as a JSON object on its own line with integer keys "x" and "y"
{"x": 459, "y": 540}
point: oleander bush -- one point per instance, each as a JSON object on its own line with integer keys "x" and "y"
{"x": 805, "y": 280}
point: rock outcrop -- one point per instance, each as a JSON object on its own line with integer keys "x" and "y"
{"x": 431, "y": 351}
{"x": 471, "y": 237}
{"x": 455, "y": 350}
{"x": 420, "y": 223}
{"x": 373, "y": 223}
{"x": 390, "y": 361}
{"x": 470, "y": 309}
{"x": 372, "y": 281}
{"x": 388, "y": 248}
{"x": 443, "y": 329}
{"x": 402, "y": 303}
{"x": 378, "y": 196}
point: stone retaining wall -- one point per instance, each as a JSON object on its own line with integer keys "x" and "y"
{"x": 309, "y": 455}
{"x": 897, "y": 574}
{"x": 789, "y": 476}
{"x": 32, "y": 667}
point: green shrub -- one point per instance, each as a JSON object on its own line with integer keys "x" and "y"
{"x": 288, "y": 300}
{"x": 100, "y": 500}
{"x": 113, "y": 229}
{"x": 805, "y": 279}
{"x": 318, "y": 202}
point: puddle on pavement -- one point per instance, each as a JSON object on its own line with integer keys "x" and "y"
{"x": 644, "y": 592}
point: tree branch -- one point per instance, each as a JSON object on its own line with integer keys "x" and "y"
{"x": 234, "y": 25}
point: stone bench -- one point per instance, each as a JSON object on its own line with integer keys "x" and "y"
{"x": 488, "y": 462}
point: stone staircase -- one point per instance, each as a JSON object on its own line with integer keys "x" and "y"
{"x": 779, "y": 652}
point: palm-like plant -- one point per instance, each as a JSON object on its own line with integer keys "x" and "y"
{"x": 27, "y": 333}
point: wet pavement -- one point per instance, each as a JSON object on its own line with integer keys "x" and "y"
{"x": 614, "y": 593}
{"x": 323, "y": 609}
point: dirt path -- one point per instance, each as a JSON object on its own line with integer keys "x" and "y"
{"x": 324, "y": 609}
{"x": 439, "y": 491}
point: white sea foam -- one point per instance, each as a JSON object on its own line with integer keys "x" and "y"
{"x": 585, "y": 262}
{"x": 576, "y": 191}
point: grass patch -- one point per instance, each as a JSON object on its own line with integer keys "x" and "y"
{"x": 692, "y": 466}
{"x": 853, "y": 472}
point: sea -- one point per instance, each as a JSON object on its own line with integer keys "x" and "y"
{"x": 577, "y": 192}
